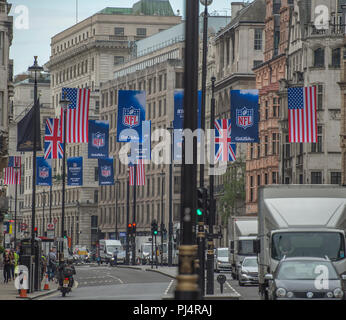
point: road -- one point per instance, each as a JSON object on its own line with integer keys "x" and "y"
{"x": 107, "y": 283}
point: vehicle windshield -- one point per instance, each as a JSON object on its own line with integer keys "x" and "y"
{"x": 112, "y": 248}
{"x": 245, "y": 247}
{"x": 306, "y": 270}
{"x": 250, "y": 262}
{"x": 222, "y": 253}
{"x": 308, "y": 244}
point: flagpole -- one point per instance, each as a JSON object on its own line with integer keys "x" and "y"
{"x": 134, "y": 214}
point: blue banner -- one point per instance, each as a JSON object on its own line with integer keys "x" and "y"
{"x": 142, "y": 150}
{"x": 75, "y": 171}
{"x": 244, "y": 116}
{"x": 131, "y": 114}
{"x": 43, "y": 172}
{"x": 106, "y": 172}
{"x": 178, "y": 122}
{"x": 98, "y": 139}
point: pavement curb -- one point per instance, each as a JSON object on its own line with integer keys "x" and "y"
{"x": 163, "y": 273}
{"x": 129, "y": 267}
{"x": 207, "y": 297}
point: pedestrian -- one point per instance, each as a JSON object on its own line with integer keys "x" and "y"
{"x": 115, "y": 256}
{"x": 7, "y": 268}
{"x": 51, "y": 264}
{"x": 12, "y": 264}
{"x": 43, "y": 265}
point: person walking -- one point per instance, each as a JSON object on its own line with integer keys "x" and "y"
{"x": 51, "y": 264}
{"x": 12, "y": 264}
{"x": 7, "y": 268}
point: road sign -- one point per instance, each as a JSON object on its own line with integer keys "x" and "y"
{"x": 50, "y": 226}
{"x": 50, "y": 234}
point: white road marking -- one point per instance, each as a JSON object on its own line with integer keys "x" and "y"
{"x": 237, "y": 293}
{"x": 116, "y": 278}
{"x": 169, "y": 286}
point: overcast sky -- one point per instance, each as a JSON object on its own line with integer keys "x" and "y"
{"x": 49, "y": 17}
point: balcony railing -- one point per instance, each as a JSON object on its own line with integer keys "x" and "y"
{"x": 328, "y": 30}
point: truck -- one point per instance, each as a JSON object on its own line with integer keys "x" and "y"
{"x": 107, "y": 248}
{"x": 300, "y": 221}
{"x": 243, "y": 234}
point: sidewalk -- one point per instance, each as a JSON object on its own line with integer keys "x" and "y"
{"x": 9, "y": 292}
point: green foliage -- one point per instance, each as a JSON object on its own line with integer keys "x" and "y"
{"x": 2, "y": 249}
{"x": 233, "y": 198}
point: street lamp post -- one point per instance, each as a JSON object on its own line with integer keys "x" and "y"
{"x": 34, "y": 69}
{"x": 170, "y": 218}
{"x": 64, "y": 102}
{"x": 187, "y": 288}
{"x": 43, "y": 222}
{"x": 134, "y": 213}
{"x": 116, "y": 182}
{"x": 127, "y": 216}
{"x": 162, "y": 174}
{"x": 15, "y": 206}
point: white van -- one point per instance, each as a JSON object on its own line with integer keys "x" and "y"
{"x": 107, "y": 248}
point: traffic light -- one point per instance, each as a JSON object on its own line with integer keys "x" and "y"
{"x": 129, "y": 229}
{"x": 202, "y": 194}
{"x": 134, "y": 227}
{"x": 35, "y": 232}
{"x": 154, "y": 228}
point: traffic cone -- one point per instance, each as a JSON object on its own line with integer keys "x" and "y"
{"x": 23, "y": 293}
{"x": 46, "y": 284}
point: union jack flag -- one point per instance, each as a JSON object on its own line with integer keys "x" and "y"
{"x": 77, "y": 115}
{"x": 53, "y": 140}
{"x": 224, "y": 149}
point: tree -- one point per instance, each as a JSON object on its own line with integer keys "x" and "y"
{"x": 233, "y": 199}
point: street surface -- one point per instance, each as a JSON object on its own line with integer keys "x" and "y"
{"x": 112, "y": 283}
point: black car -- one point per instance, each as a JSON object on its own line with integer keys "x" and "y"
{"x": 305, "y": 278}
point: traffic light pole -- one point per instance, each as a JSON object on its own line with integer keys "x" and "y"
{"x": 210, "y": 251}
{"x": 127, "y": 221}
{"x": 156, "y": 252}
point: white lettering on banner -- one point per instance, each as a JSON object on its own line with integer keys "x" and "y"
{"x": 21, "y": 22}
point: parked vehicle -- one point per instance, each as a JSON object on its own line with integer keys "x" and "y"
{"x": 300, "y": 221}
{"x": 221, "y": 261}
{"x": 248, "y": 272}
{"x": 295, "y": 279}
{"x": 242, "y": 238}
{"x": 145, "y": 253}
{"x": 107, "y": 248}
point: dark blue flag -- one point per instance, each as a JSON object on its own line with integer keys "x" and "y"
{"x": 106, "y": 172}
{"x": 131, "y": 114}
{"x": 75, "y": 171}
{"x": 43, "y": 171}
{"x": 244, "y": 116}
{"x": 98, "y": 139}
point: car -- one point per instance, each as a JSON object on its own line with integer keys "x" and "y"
{"x": 221, "y": 261}
{"x": 305, "y": 278}
{"x": 248, "y": 271}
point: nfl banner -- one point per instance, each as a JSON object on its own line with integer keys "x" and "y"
{"x": 178, "y": 122}
{"x": 244, "y": 116}
{"x": 142, "y": 151}
{"x": 106, "y": 172}
{"x": 75, "y": 171}
{"x": 131, "y": 114}
{"x": 98, "y": 139}
{"x": 43, "y": 171}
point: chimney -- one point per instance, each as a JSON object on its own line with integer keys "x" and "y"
{"x": 235, "y": 8}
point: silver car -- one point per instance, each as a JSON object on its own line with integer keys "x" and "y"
{"x": 305, "y": 278}
{"x": 248, "y": 271}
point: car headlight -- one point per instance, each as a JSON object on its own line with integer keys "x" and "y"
{"x": 289, "y": 294}
{"x": 280, "y": 292}
{"x": 338, "y": 293}
{"x": 330, "y": 294}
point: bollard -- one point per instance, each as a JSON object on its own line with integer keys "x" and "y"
{"x": 221, "y": 279}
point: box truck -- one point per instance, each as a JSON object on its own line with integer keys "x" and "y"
{"x": 243, "y": 234}
{"x": 300, "y": 221}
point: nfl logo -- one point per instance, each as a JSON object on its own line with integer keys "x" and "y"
{"x": 244, "y": 118}
{"x": 43, "y": 172}
{"x": 98, "y": 139}
{"x": 106, "y": 171}
{"x": 131, "y": 117}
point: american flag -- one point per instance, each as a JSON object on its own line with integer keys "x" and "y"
{"x": 14, "y": 161}
{"x": 11, "y": 176}
{"x": 224, "y": 149}
{"x": 53, "y": 140}
{"x": 77, "y": 114}
{"x": 140, "y": 173}
{"x": 302, "y": 117}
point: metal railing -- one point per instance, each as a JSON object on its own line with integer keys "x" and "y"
{"x": 327, "y": 30}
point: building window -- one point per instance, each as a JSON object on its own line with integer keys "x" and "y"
{"x": 96, "y": 196}
{"x": 118, "y": 60}
{"x": 141, "y": 32}
{"x": 265, "y": 146}
{"x": 335, "y": 178}
{"x": 336, "y": 57}
{"x": 179, "y": 80}
{"x": 258, "y": 180}
{"x": 266, "y": 178}
{"x": 319, "y": 57}
{"x": 274, "y": 175}
{"x": 316, "y": 177}
{"x": 319, "y": 97}
{"x": 317, "y": 147}
{"x": 275, "y": 143}
{"x": 118, "y": 31}
{"x": 258, "y": 39}
{"x": 256, "y": 63}
{"x": 177, "y": 183}
{"x": 251, "y": 188}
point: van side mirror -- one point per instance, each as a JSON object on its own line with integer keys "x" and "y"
{"x": 268, "y": 276}
{"x": 257, "y": 246}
